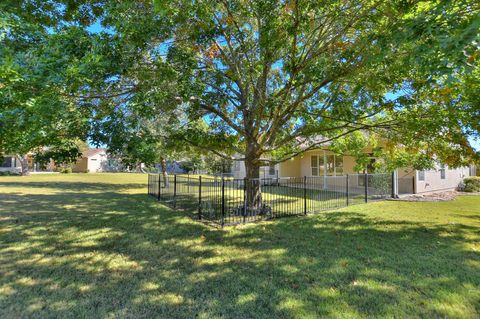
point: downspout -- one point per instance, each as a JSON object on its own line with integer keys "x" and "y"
{"x": 396, "y": 192}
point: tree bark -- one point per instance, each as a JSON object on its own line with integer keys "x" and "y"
{"x": 253, "y": 187}
{"x": 163, "y": 164}
{"x": 24, "y": 163}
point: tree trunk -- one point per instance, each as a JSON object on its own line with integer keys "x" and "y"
{"x": 163, "y": 163}
{"x": 24, "y": 163}
{"x": 253, "y": 187}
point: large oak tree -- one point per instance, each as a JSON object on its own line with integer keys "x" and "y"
{"x": 271, "y": 79}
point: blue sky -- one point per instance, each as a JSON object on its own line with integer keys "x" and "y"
{"x": 475, "y": 144}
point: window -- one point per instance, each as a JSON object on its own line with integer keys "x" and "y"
{"x": 6, "y": 161}
{"x": 421, "y": 176}
{"x": 314, "y": 164}
{"x": 271, "y": 170}
{"x": 321, "y": 165}
{"x": 317, "y": 165}
{"x": 442, "y": 171}
{"x": 333, "y": 165}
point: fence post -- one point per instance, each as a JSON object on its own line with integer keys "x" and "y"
{"x": 148, "y": 184}
{"x": 305, "y": 195}
{"x": 366, "y": 187}
{"x": 244, "y": 199}
{"x": 200, "y": 197}
{"x": 348, "y": 190}
{"x": 223, "y": 201}
{"x": 159, "y": 186}
{"x": 175, "y": 191}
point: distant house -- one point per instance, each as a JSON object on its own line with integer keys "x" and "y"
{"x": 238, "y": 170}
{"x": 93, "y": 160}
{"x": 9, "y": 163}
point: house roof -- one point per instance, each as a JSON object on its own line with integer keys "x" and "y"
{"x": 92, "y": 151}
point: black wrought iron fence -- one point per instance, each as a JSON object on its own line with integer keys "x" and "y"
{"x": 228, "y": 201}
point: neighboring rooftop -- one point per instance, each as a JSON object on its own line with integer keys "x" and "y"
{"x": 93, "y": 151}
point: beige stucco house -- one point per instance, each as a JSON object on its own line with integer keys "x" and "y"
{"x": 326, "y": 165}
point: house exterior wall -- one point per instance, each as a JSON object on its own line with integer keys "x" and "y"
{"x": 300, "y": 165}
{"x": 407, "y": 177}
{"x": 93, "y": 164}
{"x": 291, "y": 167}
{"x": 239, "y": 171}
{"x": 433, "y": 181}
{"x": 408, "y": 181}
{"x": 81, "y": 166}
{"x": 14, "y": 166}
{"x": 265, "y": 172}
{"x": 97, "y": 162}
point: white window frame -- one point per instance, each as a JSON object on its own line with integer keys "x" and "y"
{"x": 443, "y": 172}
{"x": 322, "y": 169}
{"x": 317, "y": 166}
{"x": 272, "y": 170}
{"x": 421, "y": 176}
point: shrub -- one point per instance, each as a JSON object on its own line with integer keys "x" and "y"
{"x": 471, "y": 184}
{"x": 66, "y": 170}
{"x": 9, "y": 173}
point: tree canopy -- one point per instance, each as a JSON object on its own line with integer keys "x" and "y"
{"x": 41, "y": 70}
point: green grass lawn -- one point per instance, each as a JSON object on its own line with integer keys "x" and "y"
{"x": 94, "y": 245}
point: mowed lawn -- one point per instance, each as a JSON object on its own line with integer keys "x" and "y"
{"x": 96, "y": 246}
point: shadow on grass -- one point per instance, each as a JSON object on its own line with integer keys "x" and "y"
{"x": 113, "y": 254}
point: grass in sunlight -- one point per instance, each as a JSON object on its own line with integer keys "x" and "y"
{"x": 96, "y": 246}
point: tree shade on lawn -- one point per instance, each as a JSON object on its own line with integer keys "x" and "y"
{"x": 94, "y": 245}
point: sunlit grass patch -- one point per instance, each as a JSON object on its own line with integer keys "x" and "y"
{"x": 95, "y": 245}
